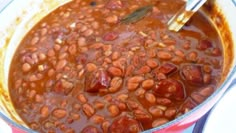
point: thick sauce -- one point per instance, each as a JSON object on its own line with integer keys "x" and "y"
{"x": 83, "y": 69}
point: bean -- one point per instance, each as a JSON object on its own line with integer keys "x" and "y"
{"x": 113, "y": 110}
{"x": 61, "y": 64}
{"x": 105, "y": 126}
{"x": 122, "y": 97}
{"x": 207, "y": 78}
{"x": 115, "y": 55}
{"x": 192, "y": 56}
{"x": 34, "y": 126}
{"x": 88, "y": 32}
{"x": 75, "y": 116}
{"x": 207, "y": 68}
{"x": 136, "y": 79}
{"x": 142, "y": 116}
{"x": 90, "y": 129}
{"x": 132, "y": 86}
{"x": 148, "y": 84}
{"x": 81, "y": 97}
{"x": 26, "y": 67}
{"x": 140, "y": 92}
{"x": 114, "y": 71}
{"x": 197, "y": 98}
{"x": 159, "y": 122}
{"x": 88, "y": 110}
{"x": 150, "y": 97}
{"x": 35, "y": 40}
{"x": 144, "y": 70}
{"x": 206, "y": 91}
{"x": 76, "y": 107}
{"x": 98, "y": 119}
{"x": 72, "y": 49}
{"x": 116, "y": 84}
{"x": 83, "y": 28}
{"x": 51, "y": 53}
{"x": 170, "y": 113}
{"x": 42, "y": 56}
{"x": 98, "y": 105}
{"x": 91, "y": 67}
{"x": 44, "y": 31}
{"x": 38, "y": 98}
{"x": 95, "y": 25}
{"x": 112, "y": 19}
{"x": 44, "y": 111}
{"x": 155, "y": 111}
{"x": 81, "y": 42}
{"x": 51, "y": 72}
{"x": 129, "y": 70}
{"x": 59, "y": 113}
{"x": 163, "y": 101}
{"x": 164, "y": 55}
{"x": 152, "y": 63}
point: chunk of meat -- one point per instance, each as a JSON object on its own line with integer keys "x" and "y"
{"x": 97, "y": 80}
{"x": 168, "y": 68}
{"x": 114, "y": 4}
{"x": 125, "y": 125}
{"x": 193, "y": 74}
{"x": 170, "y": 88}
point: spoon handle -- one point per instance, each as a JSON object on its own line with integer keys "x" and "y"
{"x": 184, "y": 14}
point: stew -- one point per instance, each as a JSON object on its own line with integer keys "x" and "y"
{"x": 112, "y": 66}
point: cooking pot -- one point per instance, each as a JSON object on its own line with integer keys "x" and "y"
{"x": 18, "y": 17}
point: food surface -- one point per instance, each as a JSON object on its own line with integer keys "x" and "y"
{"x": 112, "y": 66}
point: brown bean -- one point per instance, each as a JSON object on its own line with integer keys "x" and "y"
{"x": 144, "y": 70}
{"x": 42, "y": 56}
{"x": 206, "y": 91}
{"x": 95, "y": 25}
{"x": 148, "y": 84}
{"x": 179, "y": 53}
{"x": 88, "y": 32}
{"x": 207, "y": 78}
{"x": 26, "y": 67}
{"x": 99, "y": 105}
{"x": 122, "y": 97}
{"x": 112, "y": 19}
{"x": 72, "y": 49}
{"x": 150, "y": 97}
{"x": 132, "y": 86}
{"x": 98, "y": 119}
{"x": 114, "y": 71}
{"x": 170, "y": 113}
{"x": 51, "y": 53}
{"x": 61, "y": 64}
{"x": 75, "y": 116}
{"x": 152, "y": 63}
{"x": 197, "y": 98}
{"x": 44, "y": 111}
{"x": 83, "y": 28}
{"x": 129, "y": 70}
{"x": 164, "y": 55}
{"x": 115, "y": 84}
{"x": 192, "y": 56}
{"x": 105, "y": 126}
{"x": 90, "y": 129}
{"x": 91, "y": 67}
{"x": 81, "y": 42}
{"x": 51, "y": 72}
{"x": 142, "y": 116}
{"x": 59, "y": 113}
{"x": 155, "y": 111}
{"x": 81, "y": 97}
{"x": 113, "y": 110}
{"x": 136, "y": 79}
{"x": 163, "y": 101}
{"x": 76, "y": 107}
{"x": 140, "y": 92}
{"x": 88, "y": 110}
{"x": 35, "y": 40}
{"x": 115, "y": 55}
{"x": 38, "y": 98}
{"x": 159, "y": 122}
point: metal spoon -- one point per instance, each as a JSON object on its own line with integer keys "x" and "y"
{"x": 184, "y": 14}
